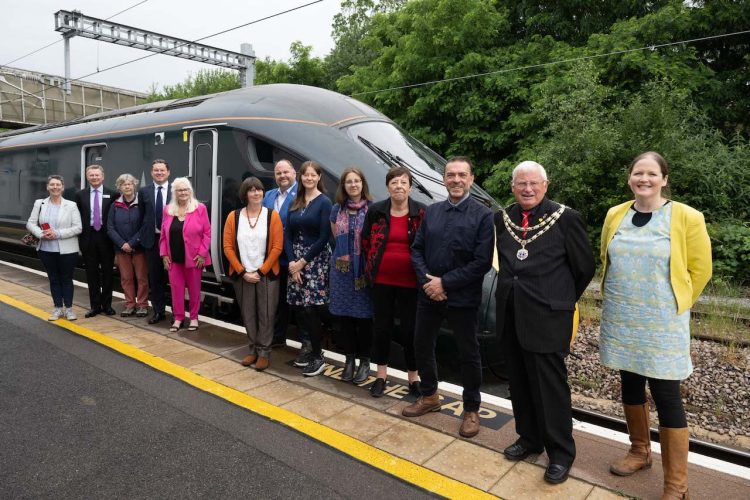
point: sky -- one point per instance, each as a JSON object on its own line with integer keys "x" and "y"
{"x": 26, "y": 25}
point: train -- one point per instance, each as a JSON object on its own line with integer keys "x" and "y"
{"x": 218, "y": 140}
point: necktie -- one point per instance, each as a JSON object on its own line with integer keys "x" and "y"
{"x": 159, "y": 207}
{"x": 97, "y": 211}
{"x": 525, "y": 222}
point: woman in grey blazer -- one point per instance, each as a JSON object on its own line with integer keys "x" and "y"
{"x": 57, "y": 223}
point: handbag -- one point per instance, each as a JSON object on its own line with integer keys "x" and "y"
{"x": 29, "y": 239}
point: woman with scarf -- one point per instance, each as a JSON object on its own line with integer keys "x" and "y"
{"x": 350, "y": 299}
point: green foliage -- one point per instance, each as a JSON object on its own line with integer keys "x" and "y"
{"x": 301, "y": 68}
{"x": 205, "y": 81}
{"x": 730, "y": 240}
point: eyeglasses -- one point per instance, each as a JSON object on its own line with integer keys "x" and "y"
{"x": 351, "y": 182}
{"x": 530, "y": 184}
{"x": 182, "y": 190}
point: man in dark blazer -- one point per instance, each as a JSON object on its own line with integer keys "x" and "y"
{"x": 154, "y": 197}
{"x": 451, "y": 253}
{"x": 97, "y": 249}
{"x": 546, "y": 262}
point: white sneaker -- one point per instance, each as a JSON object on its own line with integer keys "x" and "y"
{"x": 57, "y": 313}
{"x": 70, "y": 315}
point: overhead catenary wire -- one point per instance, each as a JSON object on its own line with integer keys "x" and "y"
{"x": 549, "y": 63}
{"x": 60, "y": 39}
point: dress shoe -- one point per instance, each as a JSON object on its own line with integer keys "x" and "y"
{"x": 262, "y": 363}
{"x": 347, "y": 374}
{"x": 363, "y": 371}
{"x": 92, "y": 312}
{"x": 556, "y": 474}
{"x": 423, "y": 405}
{"x": 249, "y": 359}
{"x": 470, "y": 425}
{"x": 156, "y": 318}
{"x": 376, "y": 389}
{"x": 517, "y": 451}
{"x": 109, "y": 311}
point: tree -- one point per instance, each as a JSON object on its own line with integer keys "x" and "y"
{"x": 205, "y": 81}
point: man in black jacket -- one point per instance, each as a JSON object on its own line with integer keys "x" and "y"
{"x": 451, "y": 253}
{"x": 546, "y": 263}
{"x": 98, "y": 253}
{"x": 153, "y": 198}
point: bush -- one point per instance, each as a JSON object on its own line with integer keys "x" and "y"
{"x": 730, "y": 245}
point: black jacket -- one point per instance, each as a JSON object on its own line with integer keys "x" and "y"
{"x": 147, "y": 200}
{"x": 455, "y": 244}
{"x": 548, "y": 283}
{"x": 83, "y": 200}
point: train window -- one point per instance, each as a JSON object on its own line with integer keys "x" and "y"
{"x": 264, "y": 155}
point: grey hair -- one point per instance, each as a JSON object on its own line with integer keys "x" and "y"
{"x": 529, "y": 166}
{"x": 172, "y": 207}
{"x": 126, "y": 178}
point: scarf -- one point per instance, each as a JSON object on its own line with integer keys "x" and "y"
{"x": 343, "y": 260}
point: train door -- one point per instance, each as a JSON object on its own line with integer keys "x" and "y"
{"x": 92, "y": 154}
{"x": 202, "y": 169}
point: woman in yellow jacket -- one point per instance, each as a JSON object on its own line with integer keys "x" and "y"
{"x": 657, "y": 259}
{"x": 253, "y": 241}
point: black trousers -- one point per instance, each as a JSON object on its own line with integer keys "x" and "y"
{"x": 387, "y": 301}
{"x": 355, "y": 336}
{"x": 463, "y": 322}
{"x": 311, "y": 318}
{"x": 666, "y": 394}
{"x": 157, "y": 278}
{"x": 540, "y": 394}
{"x": 60, "y": 269}
{"x": 99, "y": 258}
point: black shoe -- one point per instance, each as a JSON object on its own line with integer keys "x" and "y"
{"x": 156, "y": 318}
{"x": 376, "y": 390}
{"x": 517, "y": 451}
{"x": 348, "y": 373}
{"x": 92, "y": 312}
{"x": 109, "y": 311}
{"x": 363, "y": 371}
{"x": 414, "y": 389}
{"x": 556, "y": 474}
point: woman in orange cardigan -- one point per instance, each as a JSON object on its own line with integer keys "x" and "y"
{"x": 253, "y": 242}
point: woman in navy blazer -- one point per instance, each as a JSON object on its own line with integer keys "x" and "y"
{"x": 184, "y": 245}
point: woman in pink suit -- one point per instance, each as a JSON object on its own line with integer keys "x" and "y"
{"x": 184, "y": 248}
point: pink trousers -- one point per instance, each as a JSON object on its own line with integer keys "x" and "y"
{"x": 179, "y": 278}
{"x": 133, "y": 266}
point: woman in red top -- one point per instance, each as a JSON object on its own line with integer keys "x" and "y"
{"x": 387, "y": 235}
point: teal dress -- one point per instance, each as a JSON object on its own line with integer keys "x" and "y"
{"x": 641, "y": 331}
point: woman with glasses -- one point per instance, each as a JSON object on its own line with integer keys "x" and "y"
{"x": 657, "y": 260}
{"x": 124, "y": 227}
{"x": 350, "y": 299}
{"x": 56, "y": 222}
{"x": 253, "y": 242}
{"x": 184, "y": 246}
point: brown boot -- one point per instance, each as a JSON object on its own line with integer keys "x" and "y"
{"x": 470, "y": 425}
{"x": 423, "y": 405}
{"x": 674, "y": 460}
{"x": 639, "y": 455}
{"x": 249, "y": 359}
{"x": 262, "y": 363}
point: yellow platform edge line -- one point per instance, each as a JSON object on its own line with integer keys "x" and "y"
{"x": 403, "y": 469}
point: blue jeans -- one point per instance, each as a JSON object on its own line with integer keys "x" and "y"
{"x": 59, "y": 269}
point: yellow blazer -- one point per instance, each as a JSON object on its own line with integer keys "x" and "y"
{"x": 690, "y": 257}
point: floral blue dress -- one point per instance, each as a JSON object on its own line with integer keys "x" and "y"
{"x": 641, "y": 331}
{"x": 345, "y": 299}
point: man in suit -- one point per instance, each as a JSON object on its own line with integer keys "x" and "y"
{"x": 98, "y": 252}
{"x": 154, "y": 197}
{"x": 280, "y": 199}
{"x": 546, "y": 262}
{"x": 451, "y": 253}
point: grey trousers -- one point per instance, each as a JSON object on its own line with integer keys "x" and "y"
{"x": 258, "y": 302}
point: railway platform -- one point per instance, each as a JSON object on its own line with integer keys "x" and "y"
{"x": 425, "y": 451}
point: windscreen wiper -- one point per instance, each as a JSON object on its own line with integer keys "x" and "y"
{"x": 396, "y": 160}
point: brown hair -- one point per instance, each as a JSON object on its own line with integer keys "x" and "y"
{"x": 56, "y": 178}
{"x": 464, "y": 159}
{"x": 299, "y": 200}
{"x": 159, "y": 160}
{"x": 398, "y": 172}
{"x": 341, "y": 195}
{"x": 659, "y": 159}
{"x": 247, "y": 185}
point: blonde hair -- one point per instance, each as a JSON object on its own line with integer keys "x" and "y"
{"x": 173, "y": 207}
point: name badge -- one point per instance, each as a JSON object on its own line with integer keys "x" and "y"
{"x": 105, "y": 196}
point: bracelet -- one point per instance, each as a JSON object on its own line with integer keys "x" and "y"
{"x": 244, "y": 272}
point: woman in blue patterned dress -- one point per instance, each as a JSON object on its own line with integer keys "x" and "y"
{"x": 350, "y": 299}
{"x": 657, "y": 260}
{"x": 306, "y": 245}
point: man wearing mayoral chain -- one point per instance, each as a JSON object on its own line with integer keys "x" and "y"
{"x": 546, "y": 262}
